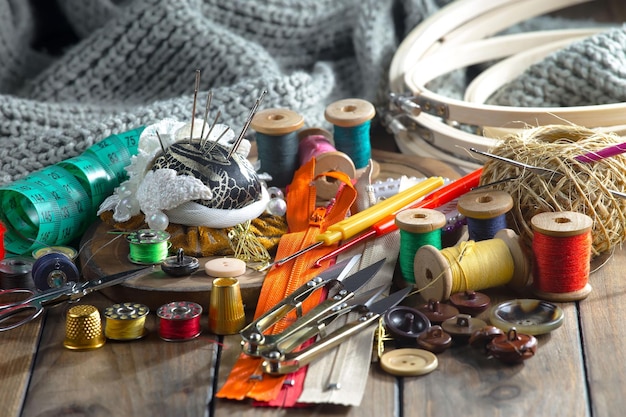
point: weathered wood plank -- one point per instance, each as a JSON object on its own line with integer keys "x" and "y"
{"x": 604, "y": 330}
{"x": 17, "y": 353}
{"x": 145, "y": 377}
{"x": 468, "y": 383}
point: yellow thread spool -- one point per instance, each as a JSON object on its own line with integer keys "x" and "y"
{"x": 471, "y": 266}
{"x": 125, "y": 321}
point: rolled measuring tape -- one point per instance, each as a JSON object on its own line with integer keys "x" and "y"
{"x": 16, "y": 273}
{"x": 53, "y": 270}
{"x": 55, "y": 205}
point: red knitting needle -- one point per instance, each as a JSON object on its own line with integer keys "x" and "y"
{"x": 433, "y": 200}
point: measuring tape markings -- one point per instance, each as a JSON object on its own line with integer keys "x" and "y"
{"x": 55, "y": 205}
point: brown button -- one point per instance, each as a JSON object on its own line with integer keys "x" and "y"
{"x": 408, "y": 362}
{"x": 435, "y": 340}
{"x": 437, "y": 312}
{"x": 462, "y": 326}
{"x": 513, "y": 347}
{"x": 470, "y": 302}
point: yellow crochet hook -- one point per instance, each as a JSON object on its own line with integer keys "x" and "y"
{"x": 362, "y": 220}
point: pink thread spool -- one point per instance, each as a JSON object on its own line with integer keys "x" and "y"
{"x": 317, "y": 143}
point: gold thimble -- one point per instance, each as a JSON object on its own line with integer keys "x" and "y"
{"x": 226, "y": 314}
{"x": 83, "y": 328}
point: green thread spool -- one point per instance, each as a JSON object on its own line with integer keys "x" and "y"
{"x": 418, "y": 227}
{"x": 148, "y": 247}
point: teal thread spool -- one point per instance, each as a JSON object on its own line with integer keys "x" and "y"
{"x": 277, "y": 143}
{"x": 147, "y": 246}
{"x": 418, "y": 227}
{"x": 351, "y": 119}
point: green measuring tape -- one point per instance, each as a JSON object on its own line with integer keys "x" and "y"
{"x": 55, "y": 205}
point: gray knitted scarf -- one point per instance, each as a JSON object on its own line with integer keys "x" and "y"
{"x": 75, "y": 71}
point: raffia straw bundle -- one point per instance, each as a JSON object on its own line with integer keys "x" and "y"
{"x": 584, "y": 188}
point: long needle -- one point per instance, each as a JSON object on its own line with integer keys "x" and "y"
{"x": 195, "y": 99}
{"x": 206, "y": 115}
{"x": 247, "y": 124}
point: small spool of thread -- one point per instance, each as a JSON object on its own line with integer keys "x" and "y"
{"x": 562, "y": 252}
{"x": 66, "y": 250}
{"x": 53, "y": 270}
{"x": 471, "y": 266}
{"x": 179, "y": 321}
{"x": 485, "y": 212}
{"x": 277, "y": 143}
{"x": 226, "y": 312}
{"x": 16, "y": 273}
{"x": 147, "y": 246}
{"x": 317, "y": 143}
{"x": 352, "y": 119}
{"x": 418, "y": 227}
{"x": 125, "y": 321}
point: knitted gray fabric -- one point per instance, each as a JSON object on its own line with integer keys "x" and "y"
{"x": 133, "y": 62}
{"x": 588, "y": 72}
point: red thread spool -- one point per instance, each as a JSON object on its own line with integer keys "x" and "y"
{"x": 179, "y": 321}
{"x": 562, "y": 253}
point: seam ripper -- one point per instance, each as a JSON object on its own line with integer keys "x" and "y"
{"x": 362, "y": 220}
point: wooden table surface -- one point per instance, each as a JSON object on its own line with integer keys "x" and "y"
{"x": 578, "y": 371}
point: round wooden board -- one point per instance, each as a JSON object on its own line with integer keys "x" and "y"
{"x": 103, "y": 253}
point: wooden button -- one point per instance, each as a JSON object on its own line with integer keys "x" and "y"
{"x": 225, "y": 267}
{"x": 408, "y": 362}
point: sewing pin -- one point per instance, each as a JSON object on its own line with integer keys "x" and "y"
{"x": 161, "y": 142}
{"x": 195, "y": 99}
{"x": 247, "y": 123}
{"x": 206, "y": 114}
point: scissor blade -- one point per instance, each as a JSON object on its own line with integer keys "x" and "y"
{"x": 379, "y": 307}
{"x": 339, "y": 270}
{"x": 110, "y": 280}
{"x": 368, "y": 297}
{"x": 360, "y": 278}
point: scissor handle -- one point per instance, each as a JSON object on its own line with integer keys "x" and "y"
{"x": 9, "y": 311}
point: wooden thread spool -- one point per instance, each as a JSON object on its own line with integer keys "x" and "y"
{"x": 351, "y": 119}
{"x": 562, "y": 253}
{"x": 488, "y": 263}
{"x": 418, "y": 227}
{"x": 327, "y": 159}
{"x": 277, "y": 143}
{"x": 485, "y": 212}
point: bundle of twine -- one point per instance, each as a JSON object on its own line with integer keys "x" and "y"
{"x": 584, "y": 187}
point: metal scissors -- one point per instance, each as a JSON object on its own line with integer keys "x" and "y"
{"x": 17, "y": 313}
{"x": 279, "y": 362}
{"x": 254, "y": 339}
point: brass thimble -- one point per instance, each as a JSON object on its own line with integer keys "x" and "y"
{"x": 226, "y": 313}
{"x": 83, "y": 328}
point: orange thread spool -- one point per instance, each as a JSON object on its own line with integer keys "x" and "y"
{"x": 562, "y": 253}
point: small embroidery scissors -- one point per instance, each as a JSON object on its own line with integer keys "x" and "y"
{"x": 15, "y": 314}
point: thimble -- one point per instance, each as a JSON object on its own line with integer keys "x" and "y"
{"x": 83, "y": 328}
{"x": 226, "y": 314}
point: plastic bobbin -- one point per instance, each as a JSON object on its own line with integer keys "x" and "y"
{"x": 327, "y": 187}
{"x": 16, "y": 273}
{"x": 484, "y": 205}
{"x": 145, "y": 238}
{"x": 561, "y": 225}
{"x": 66, "y": 250}
{"x": 180, "y": 265}
{"x": 430, "y": 264}
{"x": 225, "y": 267}
{"x": 125, "y": 321}
{"x": 53, "y": 270}
{"x": 176, "y": 315}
